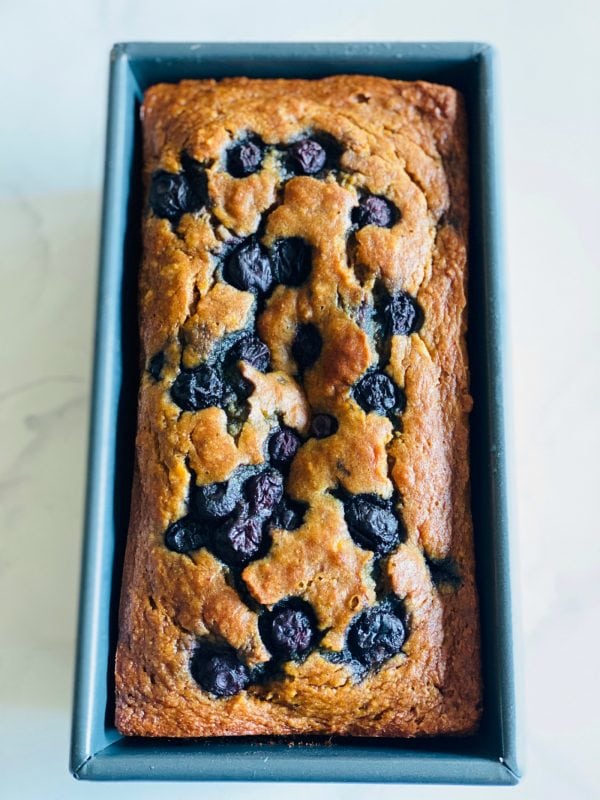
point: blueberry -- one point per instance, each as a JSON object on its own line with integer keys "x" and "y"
{"x": 183, "y": 536}
{"x": 254, "y": 352}
{"x": 251, "y": 350}
{"x": 248, "y": 268}
{"x": 197, "y": 181}
{"x": 169, "y": 194}
{"x": 264, "y": 491}
{"x": 323, "y": 425}
{"x": 289, "y": 629}
{"x": 292, "y": 261}
{"x": 221, "y": 674}
{"x": 283, "y": 445}
{"x": 375, "y": 391}
{"x": 156, "y": 364}
{"x": 374, "y": 210}
{"x": 402, "y": 315}
{"x": 375, "y": 635}
{"x": 372, "y": 524}
{"x": 244, "y": 158}
{"x": 215, "y": 500}
{"x": 175, "y": 193}
{"x": 199, "y": 388}
{"x": 240, "y": 539}
{"x": 289, "y": 515}
{"x": 308, "y": 156}
{"x": 307, "y": 345}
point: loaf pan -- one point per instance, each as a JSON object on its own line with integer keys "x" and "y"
{"x": 98, "y": 751}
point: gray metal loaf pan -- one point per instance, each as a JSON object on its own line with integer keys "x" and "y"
{"x": 97, "y": 750}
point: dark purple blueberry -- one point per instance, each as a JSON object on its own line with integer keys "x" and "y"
{"x": 307, "y": 345}
{"x": 156, "y": 364}
{"x": 173, "y": 194}
{"x": 196, "y": 389}
{"x": 169, "y": 194}
{"x": 264, "y": 491}
{"x": 292, "y": 261}
{"x": 375, "y": 391}
{"x": 240, "y": 539}
{"x": 291, "y": 633}
{"x": 289, "y": 515}
{"x": 375, "y": 635}
{"x": 402, "y": 315}
{"x": 248, "y": 268}
{"x": 372, "y": 524}
{"x": 323, "y": 425}
{"x": 308, "y": 156}
{"x": 289, "y": 629}
{"x": 183, "y": 536}
{"x": 195, "y": 175}
{"x": 215, "y": 500}
{"x": 244, "y": 158}
{"x": 251, "y": 350}
{"x": 374, "y": 210}
{"x": 221, "y": 674}
{"x": 283, "y": 445}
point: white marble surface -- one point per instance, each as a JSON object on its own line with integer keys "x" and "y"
{"x": 54, "y": 59}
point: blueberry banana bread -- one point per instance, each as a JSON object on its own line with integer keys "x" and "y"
{"x": 300, "y": 551}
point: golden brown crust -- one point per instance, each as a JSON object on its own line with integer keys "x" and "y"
{"x": 406, "y": 141}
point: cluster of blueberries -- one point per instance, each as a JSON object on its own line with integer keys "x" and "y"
{"x": 173, "y": 194}
{"x": 234, "y": 519}
{"x": 220, "y": 382}
{"x": 290, "y": 631}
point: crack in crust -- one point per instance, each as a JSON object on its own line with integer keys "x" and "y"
{"x": 404, "y": 141}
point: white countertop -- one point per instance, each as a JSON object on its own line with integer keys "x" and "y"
{"x": 52, "y": 132}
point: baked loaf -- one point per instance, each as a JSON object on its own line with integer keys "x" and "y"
{"x": 300, "y": 554}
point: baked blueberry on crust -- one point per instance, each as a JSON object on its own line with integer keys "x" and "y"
{"x": 219, "y": 673}
{"x": 245, "y": 157}
{"x": 289, "y": 629}
{"x": 372, "y": 523}
{"x": 183, "y": 536}
{"x": 215, "y": 500}
{"x": 323, "y": 425}
{"x": 307, "y": 345}
{"x": 308, "y": 156}
{"x": 193, "y": 390}
{"x": 283, "y": 445}
{"x": 248, "y": 268}
{"x": 373, "y": 210}
{"x": 292, "y": 261}
{"x": 402, "y": 314}
{"x": 375, "y": 636}
{"x": 377, "y": 392}
{"x": 239, "y": 539}
{"x": 264, "y": 492}
{"x": 251, "y": 350}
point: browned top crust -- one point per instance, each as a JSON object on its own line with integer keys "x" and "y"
{"x": 403, "y": 141}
